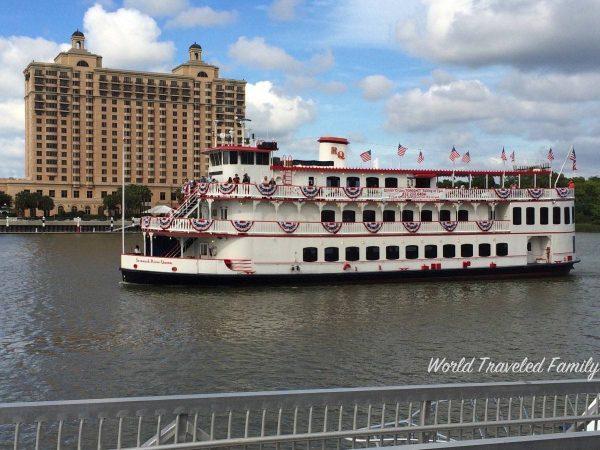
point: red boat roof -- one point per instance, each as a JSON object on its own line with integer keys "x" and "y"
{"x": 333, "y": 140}
{"x": 419, "y": 173}
{"x": 239, "y": 148}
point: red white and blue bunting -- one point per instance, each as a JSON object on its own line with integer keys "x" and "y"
{"x": 243, "y": 226}
{"x": 373, "y": 227}
{"x": 266, "y": 189}
{"x": 503, "y": 193}
{"x": 412, "y": 227}
{"x": 485, "y": 225}
{"x": 535, "y": 193}
{"x": 165, "y": 222}
{"x": 288, "y": 226}
{"x": 201, "y": 224}
{"x": 309, "y": 191}
{"x": 332, "y": 227}
{"x": 146, "y": 222}
{"x": 563, "y": 192}
{"x": 449, "y": 225}
{"x": 202, "y": 188}
{"x": 352, "y": 192}
{"x": 227, "y": 188}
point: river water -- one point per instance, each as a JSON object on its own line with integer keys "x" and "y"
{"x": 69, "y": 329}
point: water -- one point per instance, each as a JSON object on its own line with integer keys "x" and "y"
{"x": 69, "y": 329}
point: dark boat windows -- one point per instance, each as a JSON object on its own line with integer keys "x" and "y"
{"x": 262, "y": 159}
{"x": 392, "y": 252}
{"x": 445, "y": 215}
{"x": 517, "y": 216}
{"x": 449, "y": 251}
{"x": 544, "y": 215}
{"x": 501, "y": 249}
{"x": 372, "y": 253}
{"x": 391, "y": 182}
{"x": 333, "y": 181}
{"x": 353, "y": 182}
{"x": 247, "y": 157}
{"x": 567, "y": 215}
{"x": 389, "y": 215}
{"x": 466, "y": 250}
{"x": 556, "y": 215}
{"x": 327, "y": 215}
{"x": 309, "y": 254}
{"x": 368, "y": 215}
{"x": 463, "y": 215}
{"x": 412, "y": 252}
{"x": 372, "y": 182}
{"x": 348, "y": 216}
{"x": 485, "y": 250}
{"x": 426, "y": 215}
{"x": 332, "y": 254}
{"x": 530, "y": 215}
{"x": 431, "y": 251}
{"x": 407, "y": 215}
{"x": 233, "y": 157}
{"x": 352, "y": 254}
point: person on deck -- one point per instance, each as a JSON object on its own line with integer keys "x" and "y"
{"x": 236, "y": 179}
{"x": 246, "y": 178}
{"x": 265, "y": 181}
{"x": 137, "y": 250}
{"x": 272, "y": 182}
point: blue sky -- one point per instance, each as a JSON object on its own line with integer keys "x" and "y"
{"x": 479, "y": 75}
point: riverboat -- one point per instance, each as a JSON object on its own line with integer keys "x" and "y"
{"x": 300, "y": 221}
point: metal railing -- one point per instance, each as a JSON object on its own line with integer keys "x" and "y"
{"x": 306, "y": 419}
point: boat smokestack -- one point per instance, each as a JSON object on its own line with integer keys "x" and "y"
{"x": 333, "y": 149}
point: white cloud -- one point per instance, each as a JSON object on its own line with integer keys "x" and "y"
{"x": 306, "y": 83}
{"x": 126, "y": 38}
{"x": 524, "y": 33}
{"x": 203, "y": 16}
{"x": 555, "y": 87}
{"x": 274, "y": 113}
{"x": 321, "y": 62}
{"x": 376, "y": 87}
{"x": 255, "y": 52}
{"x": 283, "y": 10}
{"x": 12, "y": 116}
{"x": 12, "y": 156}
{"x": 157, "y": 8}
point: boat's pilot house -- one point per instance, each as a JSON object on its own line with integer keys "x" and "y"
{"x": 229, "y": 161}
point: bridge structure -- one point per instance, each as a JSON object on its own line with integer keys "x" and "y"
{"x": 500, "y": 415}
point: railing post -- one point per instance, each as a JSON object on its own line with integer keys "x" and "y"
{"x": 424, "y": 417}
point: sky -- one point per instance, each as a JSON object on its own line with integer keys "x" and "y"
{"x": 479, "y": 75}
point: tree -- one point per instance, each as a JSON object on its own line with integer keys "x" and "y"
{"x": 46, "y": 204}
{"x": 111, "y": 202}
{"x": 136, "y": 198}
{"x": 25, "y": 200}
{"x": 5, "y": 199}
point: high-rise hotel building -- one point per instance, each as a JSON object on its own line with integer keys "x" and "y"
{"x": 81, "y": 119}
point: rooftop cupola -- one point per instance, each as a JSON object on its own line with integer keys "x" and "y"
{"x": 78, "y": 40}
{"x": 195, "y": 52}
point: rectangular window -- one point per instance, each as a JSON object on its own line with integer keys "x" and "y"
{"x": 567, "y": 215}
{"x": 485, "y": 250}
{"x": 412, "y": 252}
{"x": 501, "y": 249}
{"x": 331, "y": 253}
{"x": 544, "y": 215}
{"x": 262, "y": 159}
{"x": 352, "y": 254}
{"x": 530, "y": 215}
{"x": 247, "y": 157}
{"x": 449, "y": 251}
{"x": 75, "y": 194}
{"x": 431, "y": 251}
{"x": 466, "y": 250}
{"x": 309, "y": 254}
{"x": 63, "y": 194}
{"x": 556, "y": 215}
{"x": 517, "y": 216}
{"x": 372, "y": 253}
{"x": 162, "y": 196}
{"x": 392, "y": 252}
{"x": 233, "y": 157}
{"x": 89, "y": 194}
{"x": 444, "y": 215}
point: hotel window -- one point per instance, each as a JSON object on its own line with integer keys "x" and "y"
{"x": 392, "y": 252}
{"x": 372, "y": 253}
{"x": 445, "y": 215}
{"x": 63, "y": 194}
{"x": 466, "y": 250}
{"x": 556, "y": 215}
{"x": 75, "y": 194}
{"x": 567, "y": 215}
{"x": 431, "y": 251}
{"x": 501, "y": 249}
{"x": 530, "y": 215}
{"x": 412, "y": 252}
{"x": 389, "y": 215}
{"x": 368, "y": 215}
{"x": 544, "y": 216}
{"x": 426, "y": 215}
{"x": 517, "y": 216}
{"x": 485, "y": 250}
{"x": 348, "y": 216}
{"x": 407, "y": 215}
{"x": 449, "y": 251}
{"x": 332, "y": 254}
{"x": 309, "y": 254}
{"x": 352, "y": 254}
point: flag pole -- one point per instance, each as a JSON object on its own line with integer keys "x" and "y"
{"x": 123, "y": 197}
{"x": 563, "y": 165}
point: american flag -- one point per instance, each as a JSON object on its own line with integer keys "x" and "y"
{"x": 503, "y": 155}
{"x": 550, "y": 155}
{"x": 401, "y": 150}
{"x": 454, "y": 155}
{"x": 512, "y": 156}
{"x": 420, "y": 158}
{"x": 573, "y": 158}
{"x": 366, "y": 156}
{"x": 466, "y": 158}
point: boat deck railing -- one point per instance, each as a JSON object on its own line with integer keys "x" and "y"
{"x": 447, "y": 414}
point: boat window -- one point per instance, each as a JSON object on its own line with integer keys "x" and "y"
{"x": 389, "y": 215}
{"x": 352, "y": 254}
{"x": 372, "y": 253}
{"x": 501, "y": 249}
{"x": 444, "y": 215}
{"x": 333, "y": 182}
{"x": 262, "y": 159}
{"x": 426, "y": 215}
{"x": 309, "y": 254}
{"x": 327, "y": 215}
{"x": 311, "y": 181}
{"x": 529, "y": 246}
{"x": 392, "y": 252}
{"x": 463, "y": 215}
{"x": 372, "y": 182}
{"x": 247, "y": 157}
{"x": 348, "y": 216}
{"x": 223, "y": 212}
{"x": 412, "y": 252}
{"x": 225, "y": 157}
{"x": 544, "y": 215}
{"x": 368, "y": 215}
{"x": 391, "y": 182}
{"x": 407, "y": 215}
{"x": 233, "y": 157}
{"x": 332, "y": 254}
{"x": 530, "y": 215}
{"x": 466, "y": 250}
{"x": 449, "y": 251}
{"x": 556, "y": 215}
{"x": 573, "y": 214}
{"x": 423, "y": 183}
{"x": 431, "y": 251}
{"x": 567, "y": 215}
{"x": 215, "y": 159}
{"x": 485, "y": 249}
{"x": 353, "y": 182}
{"x": 517, "y": 216}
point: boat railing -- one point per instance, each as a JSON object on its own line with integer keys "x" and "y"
{"x": 272, "y": 227}
{"x": 474, "y": 414}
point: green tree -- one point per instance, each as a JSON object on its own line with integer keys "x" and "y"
{"x": 136, "y": 198}
{"x": 46, "y": 204}
{"x": 25, "y": 200}
{"x": 111, "y": 202}
{"x": 5, "y": 199}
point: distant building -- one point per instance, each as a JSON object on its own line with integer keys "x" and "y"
{"x": 81, "y": 117}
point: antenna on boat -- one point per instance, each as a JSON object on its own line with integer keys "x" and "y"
{"x": 123, "y": 198}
